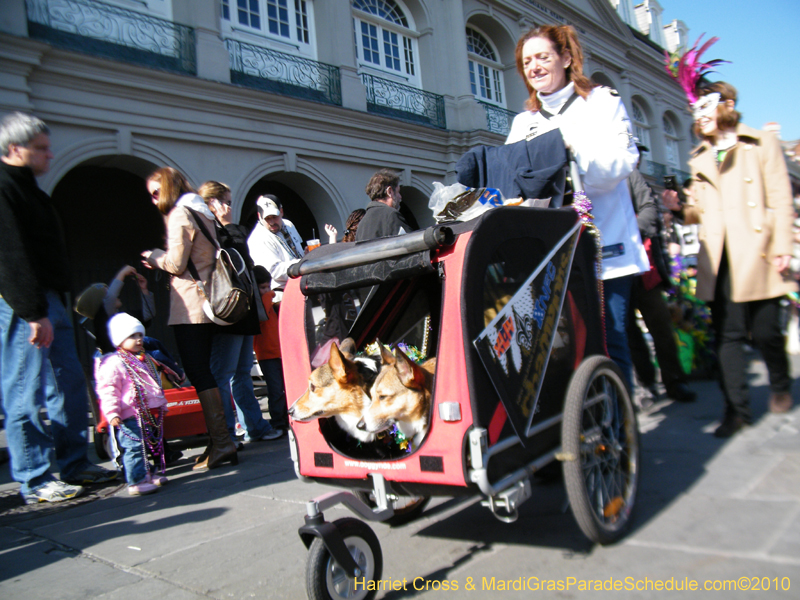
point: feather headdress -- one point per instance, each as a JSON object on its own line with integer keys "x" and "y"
{"x": 687, "y": 69}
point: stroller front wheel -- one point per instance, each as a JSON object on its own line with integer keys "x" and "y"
{"x": 326, "y": 580}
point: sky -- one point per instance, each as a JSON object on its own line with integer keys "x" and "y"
{"x": 760, "y": 38}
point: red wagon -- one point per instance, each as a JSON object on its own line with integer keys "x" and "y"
{"x": 508, "y": 304}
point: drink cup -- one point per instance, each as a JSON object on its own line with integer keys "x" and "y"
{"x": 312, "y": 244}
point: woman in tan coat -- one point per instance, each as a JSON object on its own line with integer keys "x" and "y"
{"x": 743, "y": 200}
{"x": 188, "y": 249}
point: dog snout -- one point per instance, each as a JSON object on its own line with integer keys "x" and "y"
{"x": 362, "y": 425}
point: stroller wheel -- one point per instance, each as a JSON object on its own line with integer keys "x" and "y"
{"x": 326, "y": 580}
{"x": 600, "y": 445}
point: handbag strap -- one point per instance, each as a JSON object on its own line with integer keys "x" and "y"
{"x": 202, "y": 228}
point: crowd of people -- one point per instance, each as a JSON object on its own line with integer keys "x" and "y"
{"x": 740, "y": 196}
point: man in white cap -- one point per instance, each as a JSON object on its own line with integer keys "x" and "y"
{"x": 274, "y": 243}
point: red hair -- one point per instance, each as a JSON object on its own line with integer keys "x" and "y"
{"x": 565, "y": 40}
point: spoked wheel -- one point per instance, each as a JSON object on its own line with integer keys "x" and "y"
{"x": 406, "y": 508}
{"x": 326, "y": 580}
{"x": 600, "y": 444}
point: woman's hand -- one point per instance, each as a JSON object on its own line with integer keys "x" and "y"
{"x": 332, "y": 233}
{"x": 145, "y": 259}
{"x": 782, "y": 262}
{"x": 671, "y": 200}
{"x": 116, "y": 422}
{"x": 141, "y": 282}
{"x": 221, "y": 210}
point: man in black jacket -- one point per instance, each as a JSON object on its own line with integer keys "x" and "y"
{"x": 39, "y": 365}
{"x": 383, "y": 218}
{"x": 647, "y": 295}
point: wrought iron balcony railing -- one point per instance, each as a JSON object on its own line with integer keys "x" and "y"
{"x": 102, "y": 30}
{"x": 273, "y": 71}
{"x": 653, "y": 169}
{"x": 681, "y": 176}
{"x": 498, "y": 120}
{"x": 404, "y": 102}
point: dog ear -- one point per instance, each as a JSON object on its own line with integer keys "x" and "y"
{"x": 341, "y": 368}
{"x": 411, "y": 375}
{"x": 387, "y": 358}
{"x": 348, "y": 347}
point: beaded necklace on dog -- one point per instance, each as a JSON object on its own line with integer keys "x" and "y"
{"x": 152, "y": 428}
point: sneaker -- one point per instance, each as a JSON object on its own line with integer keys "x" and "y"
{"x": 142, "y": 488}
{"x": 52, "y": 491}
{"x": 91, "y": 473}
{"x": 730, "y": 425}
{"x": 240, "y": 431}
{"x": 272, "y": 434}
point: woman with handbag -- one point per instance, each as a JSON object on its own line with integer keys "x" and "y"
{"x": 232, "y": 351}
{"x": 188, "y": 249}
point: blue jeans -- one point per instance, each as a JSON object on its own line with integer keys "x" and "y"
{"x": 231, "y": 363}
{"x": 617, "y": 296}
{"x": 33, "y": 378}
{"x": 129, "y": 439}
{"x": 272, "y": 369}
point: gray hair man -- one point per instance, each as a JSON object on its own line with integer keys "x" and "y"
{"x": 40, "y": 367}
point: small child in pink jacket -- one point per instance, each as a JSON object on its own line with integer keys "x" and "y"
{"x": 131, "y": 398}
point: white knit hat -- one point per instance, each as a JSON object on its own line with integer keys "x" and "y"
{"x": 122, "y": 326}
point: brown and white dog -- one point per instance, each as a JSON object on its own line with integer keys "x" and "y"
{"x": 401, "y": 394}
{"x": 338, "y": 389}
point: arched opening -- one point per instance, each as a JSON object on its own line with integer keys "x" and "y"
{"x": 108, "y": 220}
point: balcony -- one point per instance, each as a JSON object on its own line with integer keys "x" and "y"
{"x": 653, "y": 169}
{"x": 498, "y": 120}
{"x": 385, "y": 97}
{"x": 280, "y": 73}
{"x": 110, "y": 32}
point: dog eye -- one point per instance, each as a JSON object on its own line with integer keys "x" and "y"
{"x": 311, "y": 387}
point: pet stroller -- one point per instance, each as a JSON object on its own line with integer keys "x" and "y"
{"x": 508, "y": 303}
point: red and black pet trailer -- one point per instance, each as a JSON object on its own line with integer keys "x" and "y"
{"x": 508, "y": 304}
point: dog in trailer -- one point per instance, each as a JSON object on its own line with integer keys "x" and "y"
{"x": 339, "y": 389}
{"x": 401, "y": 394}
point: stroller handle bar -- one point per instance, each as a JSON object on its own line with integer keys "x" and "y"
{"x": 363, "y": 253}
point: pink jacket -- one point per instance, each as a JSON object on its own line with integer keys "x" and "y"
{"x": 116, "y": 392}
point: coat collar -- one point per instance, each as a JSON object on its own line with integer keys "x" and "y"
{"x": 705, "y": 163}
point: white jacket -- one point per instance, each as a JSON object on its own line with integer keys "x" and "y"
{"x": 598, "y": 132}
{"x": 269, "y": 250}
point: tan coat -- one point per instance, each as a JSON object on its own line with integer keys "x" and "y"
{"x": 746, "y": 207}
{"x": 185, "y": 240}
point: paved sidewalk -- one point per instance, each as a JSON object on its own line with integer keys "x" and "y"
{"x": 707, "y": 510}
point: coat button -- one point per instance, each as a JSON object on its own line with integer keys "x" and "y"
{"x": 758, "y": 229}
{"x": 748, "y": 180}
{"x": 751, "y": 204}
{"x": 748, "y": 146}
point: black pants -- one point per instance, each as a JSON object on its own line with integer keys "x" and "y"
{"x": 732, "y": 322}
{"x": 656, "y": 315}
{"x": 194, "y": 347}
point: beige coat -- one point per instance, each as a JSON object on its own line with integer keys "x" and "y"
{"x": 185, "y": 240}
{"x": 745, "y": 206}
